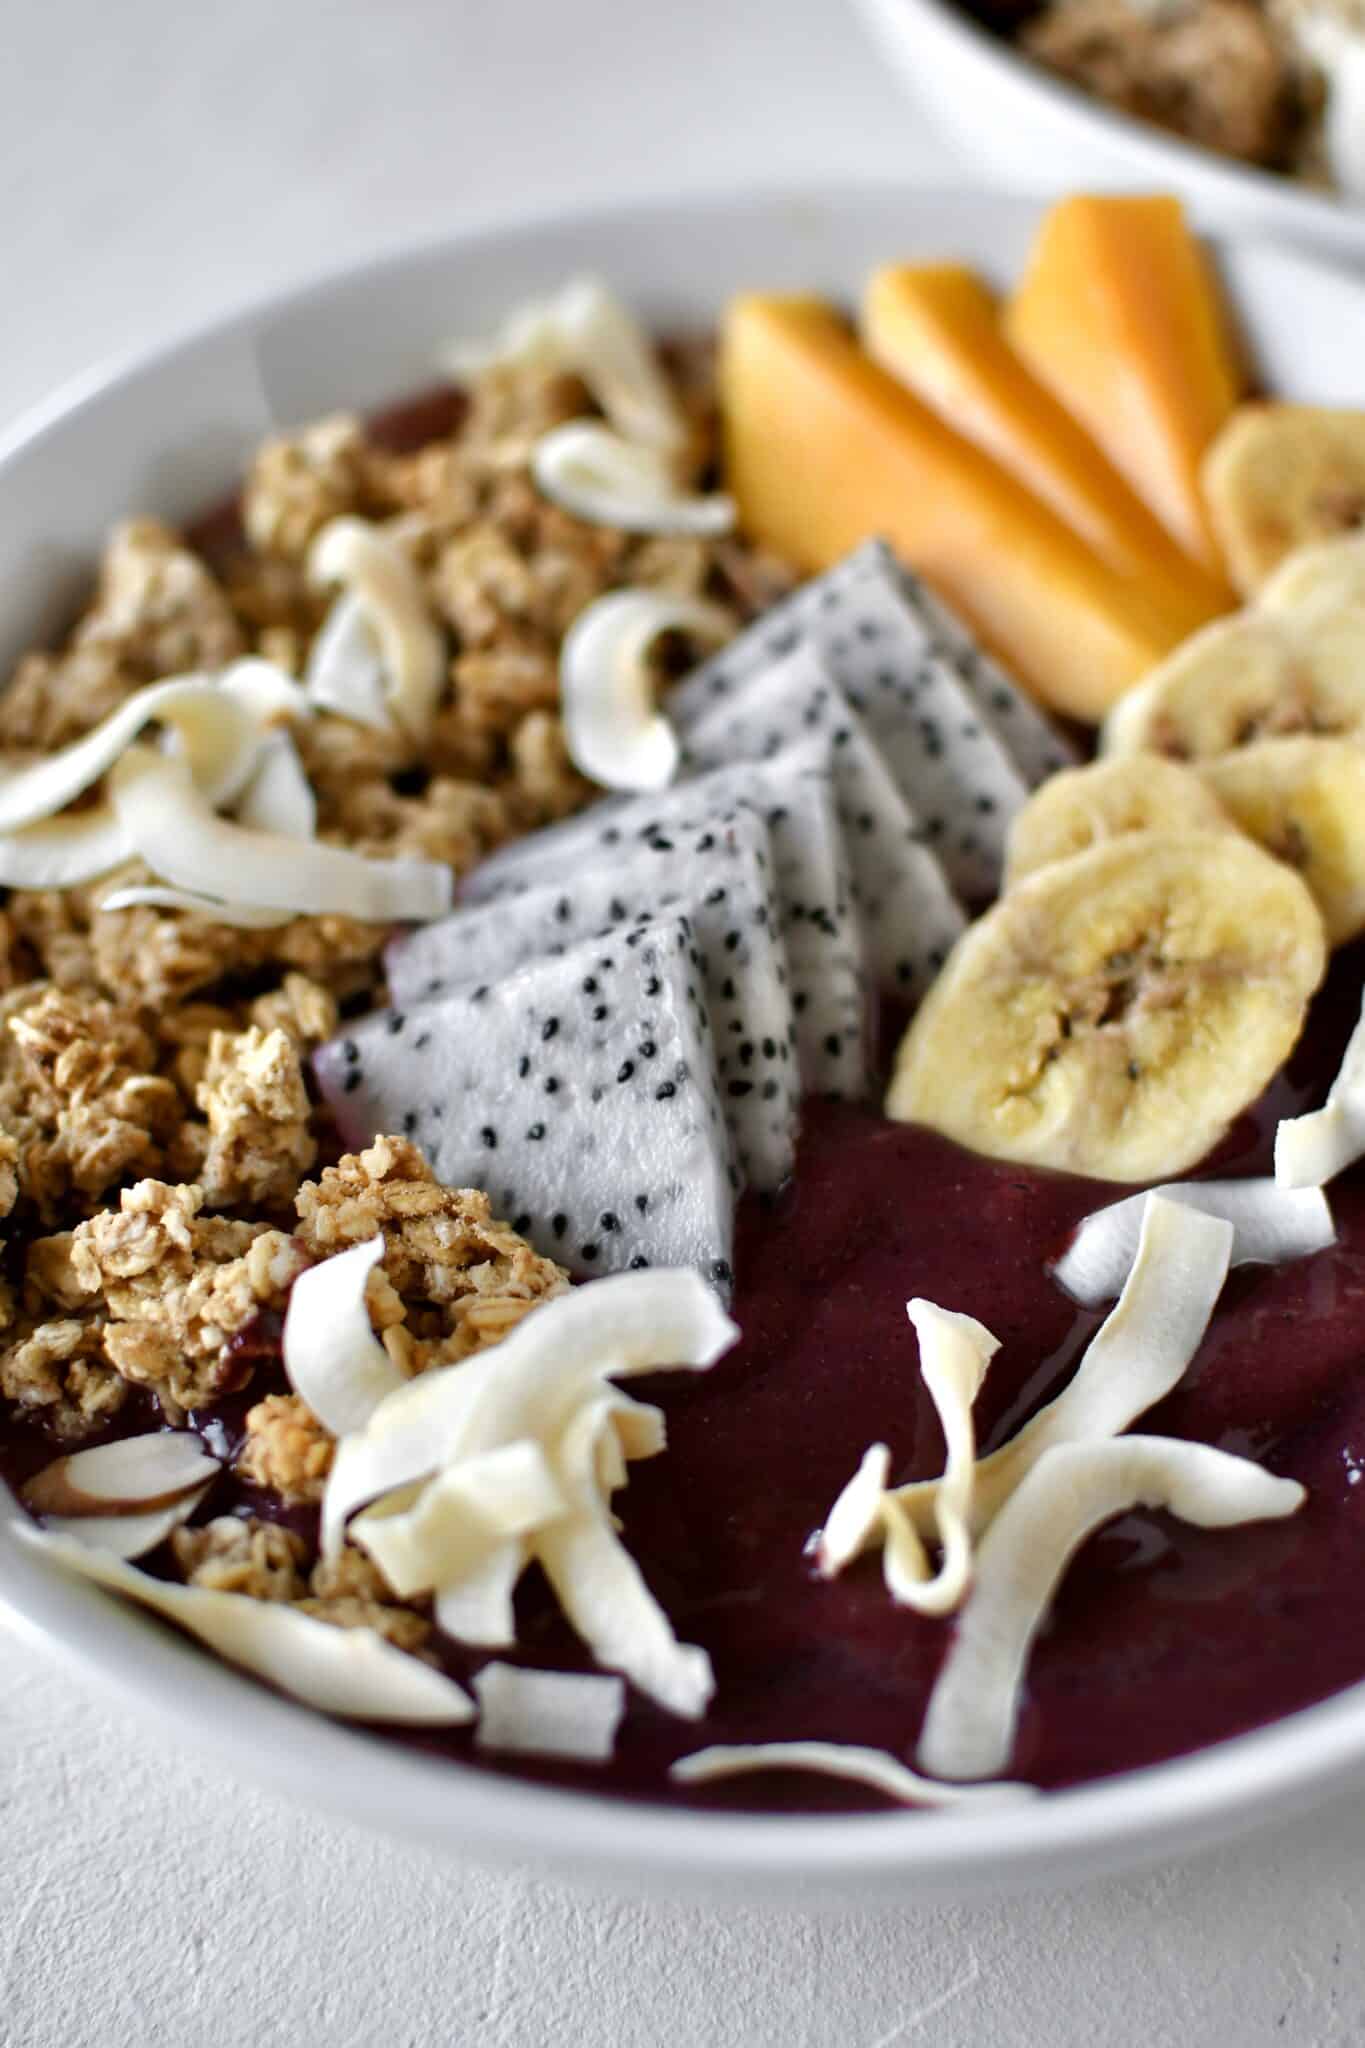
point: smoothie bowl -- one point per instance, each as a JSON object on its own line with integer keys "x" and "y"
{"x": 679, "y": 1085}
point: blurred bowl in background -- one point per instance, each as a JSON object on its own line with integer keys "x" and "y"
{"x": 1013, "y": 122}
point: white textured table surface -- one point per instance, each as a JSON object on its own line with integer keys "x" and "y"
{"x": 150, "y": 172}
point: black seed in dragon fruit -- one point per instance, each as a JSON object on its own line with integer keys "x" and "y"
{"x": 721, "y": 876}
{"x": 960, "y": 739}
{"x": 910, "y": 913}
{"x": 579, "y": 1092}
{"x": 826, "y": 961}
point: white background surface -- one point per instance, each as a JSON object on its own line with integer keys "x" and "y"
{"x": 152, "y": 169}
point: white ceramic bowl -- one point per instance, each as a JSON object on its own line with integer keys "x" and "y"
{"x": 168, "y": 433}
{"x": 1010, "y": 120}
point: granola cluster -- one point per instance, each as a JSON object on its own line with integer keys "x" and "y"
{"x": 166, "y": 1171}
{"x": 1225, "y": 74}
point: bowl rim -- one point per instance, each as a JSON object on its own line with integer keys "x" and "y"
{"x": 1115, "y": 1822}
{"x": 1158, "y": 152}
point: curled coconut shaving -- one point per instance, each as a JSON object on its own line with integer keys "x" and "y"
{"x": 615, "y": 732}
{"x": 598, "y": 476}
{"x": 1135, "y": 1358}
{"x": 155, "y": 896}
{"x": 954, "y": 1353}
{"x": 1311, "y": 1150}
{"x": 279, "y": 797}
{"x": 229, "y": 732}
{"x": 350, "y": 1672}
{"x": 175, "y": 831}
{"x": 970, "y": 1722}
{"x": 375, "y": 573}
{"x": 345, "y": 672}
{"x": 331, "y": 1354}
{"x": 876, "y": 1768}
{"x": 585, "y": 331}
{"x": 1271, "y": 1224}
{"x": 513, "y": 1456}
{"x": 548, "y": 1713}
{"x": 64, "y": 852}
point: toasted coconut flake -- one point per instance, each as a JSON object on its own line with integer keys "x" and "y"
{"x": 599, "y": 1585}
{"x": 136, "y": 1472}
{"x": 598, "y": 476}
{"x": 955, "y": 1352}
{"x": 157, "y": 897}
{"x": 1311, "y": 1150}
{"x": 345, "y": 671}
{"x": 267, "y": 691}
{"x": 1135, "y": 1358}
{"x": 331, "y": 1354}
{"x": 615, "y": 732}
{"x": 1075, "y": 1488}
{"x": 1271, "y": 1224}
{"x": 585, "y": 331}
{"x": 279, "y": 797}
{"x": 350, "y": 1672}
{"x": 64, "y": 852}
{"x": 478, "y": 1609}
{"x": 371, "y": 567}
{"x": 523, "y": 1446}
{"x": 548, "y": 1713}
{"x": 215, "y": 733}
{"x": 127, "y": 1536}
{"x": 464, "y": 1516}
{"x": 874, "y": 1767}
{"x": 188, "y": 846}
{"x": 527, "y": 1386}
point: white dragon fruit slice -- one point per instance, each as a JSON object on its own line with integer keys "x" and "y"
{"x": 1038, "y": 746}
{"x": 961, "y": 740}
{"x": 579, "y": 1092}
{"x": 718, "y": 874}
{"x": 910, "y": 913}
{"x": 824, "y": 941}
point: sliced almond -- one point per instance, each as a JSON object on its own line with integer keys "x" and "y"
{"x": 130, "y": 1535}
{"x": 969, "y": 1725}
{"x": 134, "y": 1473}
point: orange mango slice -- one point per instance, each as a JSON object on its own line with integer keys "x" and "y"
{"x": 937, "y": 328}
{"x": 1118, "y": 314}
{"x": 825, "y": 449}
